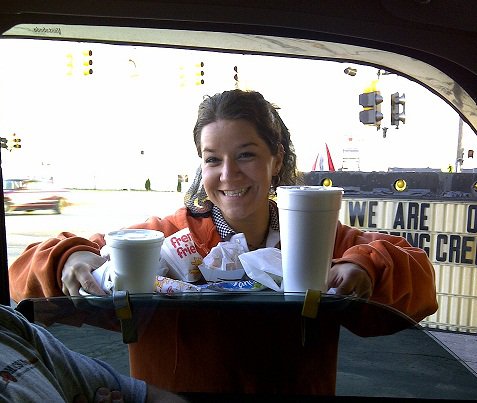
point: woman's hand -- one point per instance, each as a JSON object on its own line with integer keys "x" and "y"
{"x": 76, "y": 273}
{"x": 350, "y": 279}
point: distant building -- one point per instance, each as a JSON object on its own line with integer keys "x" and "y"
{"x": 350, "y": 160}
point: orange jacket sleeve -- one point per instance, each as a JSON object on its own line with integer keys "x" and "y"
{"x": 37, "y": 271}
{"x": 402, "y": 275}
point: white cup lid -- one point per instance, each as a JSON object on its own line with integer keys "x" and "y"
{"x": 306, "y": 189}
{"x": 140, "y": 236}
{"x": 309, "y": 198}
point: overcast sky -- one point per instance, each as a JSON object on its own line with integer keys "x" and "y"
{"x": 134, "y": 116}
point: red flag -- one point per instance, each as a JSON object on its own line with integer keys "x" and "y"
{"x": 331, "y": 166}
{"x": 313, "y": 168}
{"x": 318, "y": 164}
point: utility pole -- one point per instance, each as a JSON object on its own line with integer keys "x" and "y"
{"x": 460, "y": 151}
{"x": 4, "y": 287}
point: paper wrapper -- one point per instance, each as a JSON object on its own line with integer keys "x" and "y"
{"x": 231, "y": 260}
{"x": 222, "y": 262}
{"x": 264, "y": 266}
{"x": 166, "y": 285}
{"x": 182, "y": 258}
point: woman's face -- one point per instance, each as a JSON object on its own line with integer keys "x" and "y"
{"x": 237, "y": 169}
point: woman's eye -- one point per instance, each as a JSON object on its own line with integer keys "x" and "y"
{"x": 211, "y": 160}
{"x": 246, "y": 155}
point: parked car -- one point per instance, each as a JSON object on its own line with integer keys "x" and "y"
{"x": 33, "y": 194}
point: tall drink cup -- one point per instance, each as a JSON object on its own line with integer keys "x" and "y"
{"x": 308, "y": 221}
{"x": 135, "y": 255}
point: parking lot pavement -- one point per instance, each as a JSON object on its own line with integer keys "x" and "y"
{"x": 464, "y": 345}
{"x": 395, "y": 365}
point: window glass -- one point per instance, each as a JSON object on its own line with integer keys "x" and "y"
{"x": 105, "y": 132}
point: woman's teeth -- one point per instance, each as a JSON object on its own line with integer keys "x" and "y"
{"x": 235, "y": 193}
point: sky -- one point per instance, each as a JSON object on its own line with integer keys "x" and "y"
{"x": 132, "y": 119}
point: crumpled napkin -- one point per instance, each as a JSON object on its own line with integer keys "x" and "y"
{"x": 222, "y": 262}
{"x": 232, "y": 259}
{"x": 264, "y": 266}
{"x": 225, "y": 255}
{"x": 105, "y": 276}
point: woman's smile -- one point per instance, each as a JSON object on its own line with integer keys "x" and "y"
{"x": 235, "y": 193}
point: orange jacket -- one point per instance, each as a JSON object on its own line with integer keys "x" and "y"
{"x": 194, "y": 354}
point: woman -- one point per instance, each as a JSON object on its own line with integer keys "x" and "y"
{"x": 246, "y": 153}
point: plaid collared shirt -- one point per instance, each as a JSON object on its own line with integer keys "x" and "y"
{"x": 226, "y": 232}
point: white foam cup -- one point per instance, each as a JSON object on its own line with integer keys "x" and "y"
{"x": 135, "y": 255}
{"x": 308, "y": 220}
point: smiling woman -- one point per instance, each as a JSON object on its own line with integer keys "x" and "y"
{"x": 240, "y": 139}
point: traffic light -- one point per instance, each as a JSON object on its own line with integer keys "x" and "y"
{"x": 396, "y": 114}
{"x": 371, "y": 103}
{"x": 236, "y": 77}
{"x": 69, "y": 64}
{"x": 15, "y": 142}
{"x": 199, "y": 74}
{"x": 3, "y": 142}
{"x": 87, "y": 62}
{"x": 182, "y": 77}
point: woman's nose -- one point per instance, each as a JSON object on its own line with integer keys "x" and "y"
{"x": 230, "y": 170}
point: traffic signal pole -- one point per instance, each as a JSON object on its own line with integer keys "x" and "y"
{"x": 460, "y": 150}
{"x": 4, "y": 283}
